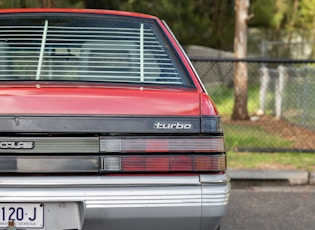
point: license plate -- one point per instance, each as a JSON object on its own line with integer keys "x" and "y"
{"x": 25, "y": 215}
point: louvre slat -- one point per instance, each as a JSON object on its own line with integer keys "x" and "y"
{"x": 99, "y": 29}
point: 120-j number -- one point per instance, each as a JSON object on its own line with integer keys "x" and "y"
{"x": 17, "y": 213}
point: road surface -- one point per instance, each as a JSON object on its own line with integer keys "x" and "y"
{"x": 278, "y": 207}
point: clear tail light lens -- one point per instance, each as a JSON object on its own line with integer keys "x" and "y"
{"x": 143, "y": 144}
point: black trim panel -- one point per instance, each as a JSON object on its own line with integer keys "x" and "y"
{"x": 99, "y": 124}
{"x": 43, "y": 145}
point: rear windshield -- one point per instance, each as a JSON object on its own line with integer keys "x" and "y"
{"x": 100, "y": 49}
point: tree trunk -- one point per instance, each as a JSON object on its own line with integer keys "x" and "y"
{"x": 240, "y": 73}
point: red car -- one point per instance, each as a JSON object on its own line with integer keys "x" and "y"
{"x": 105, "y": 125}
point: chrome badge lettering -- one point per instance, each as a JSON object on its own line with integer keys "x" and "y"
{"x": 16, "y": 144}
{"x": 172, "y": 126}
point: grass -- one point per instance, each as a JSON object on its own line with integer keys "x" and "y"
{"x": 246, "y": 135}
{"x": 255, "y": 137}
{"x": 299, "y": 97}
{"x": 247, "y": 160}
{"x": 224, "y": 99}
{"x": 252, "y": 137}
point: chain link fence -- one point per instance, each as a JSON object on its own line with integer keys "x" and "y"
{"x": 281, "y": 100}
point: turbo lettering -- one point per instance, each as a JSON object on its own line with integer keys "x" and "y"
{"x": 170, "y": 126}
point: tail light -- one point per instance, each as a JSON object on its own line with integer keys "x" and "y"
{"x": 164, "y": 163}
{"x": 162, "y": 144}
{"x": 171, "y": 154}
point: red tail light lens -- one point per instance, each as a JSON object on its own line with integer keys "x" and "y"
{"x": 181, "y": 163}
{"x": 169, "y": 163}
{"x": 144, "y": 164}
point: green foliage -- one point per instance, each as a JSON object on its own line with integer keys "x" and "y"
{"x": 272, "y": 15}
{"x": 306, "y": 17}
{"x": 207, "y": 22}
{"x": 104, "y": 4}
{"x": 21, "y": 3}
{"x": 284, "y": 19}
{"x": 179, "y": 19}
{"x": 263, "y": 16}
{"x": 204, "y": 22}
{"x": 39, "y": 3}
{"x": 201, "y": 22}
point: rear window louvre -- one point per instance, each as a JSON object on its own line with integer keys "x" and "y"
{"x": 115, "y": 52}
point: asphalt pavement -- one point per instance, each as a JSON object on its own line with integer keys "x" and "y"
{"x": 271, "y": 199}
{"x": 271, "y": 207}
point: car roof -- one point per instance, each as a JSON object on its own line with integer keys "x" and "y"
{"x": 70, "y": 10}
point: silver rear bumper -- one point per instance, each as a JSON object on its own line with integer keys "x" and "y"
{"x": 115, "y": 202}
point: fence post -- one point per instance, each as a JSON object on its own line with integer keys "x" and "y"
{"x": 264, "y": 83}
{"x": 304, "y": 96}
{"x": 279, "y": 87}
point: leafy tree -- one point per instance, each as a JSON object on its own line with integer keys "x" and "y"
{"x": 102, "y": 4}
{"x": 40, "y": 3}
{"x": 207, "y": 22}
{"x": 203, "y": 22}
{"x": 284, "y": 20}
{"x": 21, "y": 3}
{"x": 305, "y": 20}
{"x": 271, "y": 15}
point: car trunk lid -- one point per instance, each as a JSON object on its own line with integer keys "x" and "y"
{"x": 99, "y": 101}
